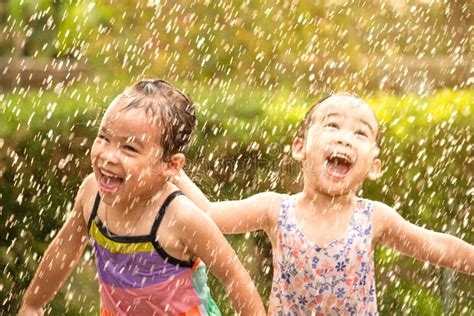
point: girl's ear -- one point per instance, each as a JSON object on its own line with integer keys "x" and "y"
{"x": 298, "y": 149}
{"x": 375, "y": 170}
{"x": 174, "y": 165}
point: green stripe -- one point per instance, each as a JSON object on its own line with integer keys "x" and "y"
{"x": 202, "y": 290}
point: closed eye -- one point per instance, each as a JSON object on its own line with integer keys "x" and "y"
{"x": 103, "y": 137}
{"x": 130, "y": 148}
{"x": 331, "y": 125}
{"x": 361, "y": 133}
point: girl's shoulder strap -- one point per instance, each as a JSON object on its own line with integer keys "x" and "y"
{"x": 287, "y": 203}
{"x": 162, "y": 211}
{"x": 364, "y": 209}
{"x": 365, "y": 205}
{"x": 154, "y": 229}
{"x": 94, "y": 211}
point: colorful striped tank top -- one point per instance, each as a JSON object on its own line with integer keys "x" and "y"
{"x": 137, "y": 276}
{"x": 334, "y": 279}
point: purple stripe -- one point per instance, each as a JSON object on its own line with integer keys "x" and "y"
{"x": 133, "y": 270}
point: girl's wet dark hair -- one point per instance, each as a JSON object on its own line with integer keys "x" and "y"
{"x": 176, "y": 112}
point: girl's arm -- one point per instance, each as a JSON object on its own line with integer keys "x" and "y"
{"x": 202, "y": 236}
{"x": 234, "y": 217}
{"x": 58, "y": 261}
{"x": 426, "y": 245}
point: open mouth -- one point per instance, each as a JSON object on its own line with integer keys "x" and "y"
{"x": 339, "y": 164}
{"x": 109, "y": 182}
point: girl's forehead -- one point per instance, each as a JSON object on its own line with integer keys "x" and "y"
{"x": 128, "y": 123}
{"x": 345, "y": 106}
{"x": 118, "y": 110}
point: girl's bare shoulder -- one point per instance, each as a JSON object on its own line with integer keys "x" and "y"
{"x": 270, "y": 202}
{"x": 86, "y": 195}
{"x": 381, "y": 217}
{"x": 273, "y": 200}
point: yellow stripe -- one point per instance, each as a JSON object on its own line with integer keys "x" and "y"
{"x": 114, "y": 246}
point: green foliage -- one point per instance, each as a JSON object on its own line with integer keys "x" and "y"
{"x": 303, "y": 43}
{"x": 241, "y": 147}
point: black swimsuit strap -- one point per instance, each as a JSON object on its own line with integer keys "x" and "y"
{"x": 154, "y": 229}
{"x": 94, "y": 211}
{"x": 161, "y": 213}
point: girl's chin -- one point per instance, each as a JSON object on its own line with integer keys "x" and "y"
{"x": 334, "y": 192}
{"x": 108, "y": 197}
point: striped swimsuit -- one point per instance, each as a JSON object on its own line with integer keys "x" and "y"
{"x": 333, "y": 279}
{"x": 137, "y": 276}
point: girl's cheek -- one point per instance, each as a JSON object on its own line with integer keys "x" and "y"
{"x": 153, "y": 170}
{"x": 93, "y": 153}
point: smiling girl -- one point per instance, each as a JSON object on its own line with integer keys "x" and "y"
{"x": 324, "y": 237}
{"x": 150, "y": 241}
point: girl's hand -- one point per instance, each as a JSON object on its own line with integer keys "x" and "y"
{"x": 174, "y": 180}
{"x": 31, "y": 311}
{"x": 420, "y": 243}
{"x": 61, "y": 255}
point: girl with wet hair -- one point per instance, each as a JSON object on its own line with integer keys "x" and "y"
{"x": 324, "y": 237}
{"x": 151, "y": 243}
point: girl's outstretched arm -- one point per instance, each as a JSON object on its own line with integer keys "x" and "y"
{"x": 58, "y": 261}
{"x": 423, "y": 244}
{"x": 201, "y": 235}
{"x": 234, "y": 217}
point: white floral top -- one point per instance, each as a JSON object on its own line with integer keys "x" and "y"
{"x": 335, "y": 279}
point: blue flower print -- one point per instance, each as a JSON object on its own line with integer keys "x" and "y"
{"x": 285, "y": 276}
{"x": 340, "y": 292}
{"x": 340, "y": 266}
{"x": 302, "y": 300}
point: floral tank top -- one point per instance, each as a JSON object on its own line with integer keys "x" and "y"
{"x": 334, "y": 279}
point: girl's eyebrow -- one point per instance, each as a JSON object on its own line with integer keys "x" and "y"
{"x": 326, "y": 116}
{"x": 335, "y": 114}
{"x": 131, "y": 139}
{"x": 366, "y": 124}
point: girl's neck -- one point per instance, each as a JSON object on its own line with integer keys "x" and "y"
{"x": 325, "y": 203}
{"x": 137, "y": 205}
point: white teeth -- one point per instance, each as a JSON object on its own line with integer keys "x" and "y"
{"x": 108, "y": 174}
{"x": 341, "y": 156}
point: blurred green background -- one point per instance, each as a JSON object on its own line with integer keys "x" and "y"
{"x": 254, "y": 68}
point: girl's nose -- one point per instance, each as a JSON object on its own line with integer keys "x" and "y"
{"x": 109, "y": 156}
{"x": 344, "y": 138}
